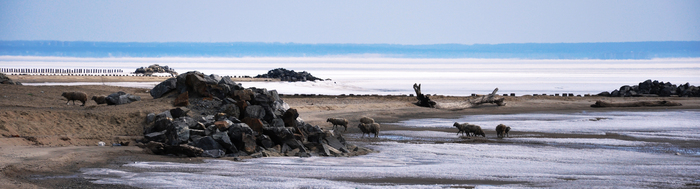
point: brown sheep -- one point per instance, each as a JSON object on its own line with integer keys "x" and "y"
{"x": 501, "y": 130}
{"x": 73, "y": 96}
{"x": 476, "y": 130}
{"x": 338, "y": 121}
{"x": 507, "y": 129}
{"x": 366, "y": 120}
{"x": 100, "y": 99}
{"x": 369, "y": 128}
{"x": 462, "y": 128}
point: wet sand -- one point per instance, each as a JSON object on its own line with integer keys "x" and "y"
{"x": 42, "y": 136}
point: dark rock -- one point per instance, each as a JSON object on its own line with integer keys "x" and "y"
{"x": 121, "y": 97}
{"x": 155, "y": 68}
{"x": 290, "y": 117}
{"x": 604, "y": 93}
{"x": 288, "y": 75}
{"x": 161, "y": 124}
{"x": 226, "y": 80}
{"x": 182, "y": 99}
{"x": 156, "y": 136}
{"x": 265, "y": 141}
{"x": 243, "y": 95}
{"x": 179, "y": 132}
{"x": 150, "y": 118}
{"x": 215, "y": 153}
{"x": 223, "y": 139}
{"x": 179, "y": 112}
{"x": 249, "y": 143}
{"x": 208, "y": 143}
{"x": 236, "y": 131}
{"x": 335, "y": 143}
{"x": 183, "y": 149}
{"x": 223, "y": 125}
{"x": 231, "y": 110}
{"x": 164, "y": 87}
{"x": 255, "y": 111}
{"x": 197, "y": 132}
{"x": 254, "y": 124}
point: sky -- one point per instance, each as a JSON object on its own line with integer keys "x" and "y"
{"x": 357, "y": 21}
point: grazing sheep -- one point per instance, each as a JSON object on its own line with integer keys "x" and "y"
{"x": 338, "y": 121}
{"x": 507, "y": 129}
{"x": 469, "y": 129}
{"x": 369, "y": 128}
{"x": 73, "y": 96}
{"x": 100, "y": 99}
{"x": 476, "y": 130}
{"x": 501, "y": 130}
{"x": 366, "y": 120}
{"x": 462, "y": 128}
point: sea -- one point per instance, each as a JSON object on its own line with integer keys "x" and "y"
{"x": 590, "y": 149}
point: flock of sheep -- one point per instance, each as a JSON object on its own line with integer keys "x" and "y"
{"x": 82, "y": 97}
{"x": 367, "y": 126}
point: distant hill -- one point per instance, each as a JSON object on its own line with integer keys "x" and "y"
{"x": 617, "y": 50}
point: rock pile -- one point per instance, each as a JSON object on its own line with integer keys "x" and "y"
{"x": 120, "y": 98}
{"x": 654, "y": 88}
{"x": 234, "y": 121}
{"x": 155, "y": 68}
{"x": 289, "y": 75}
{"x": 5, "y": 80}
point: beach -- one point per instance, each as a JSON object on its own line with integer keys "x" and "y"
{"x": 45, "y": 142}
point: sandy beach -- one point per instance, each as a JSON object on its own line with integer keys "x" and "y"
{"x": 43, "y": 137}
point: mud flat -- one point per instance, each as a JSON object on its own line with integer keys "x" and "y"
{"x": 46, "y": 143}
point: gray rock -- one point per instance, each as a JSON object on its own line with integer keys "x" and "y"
{"x": 223, "y": 139}
{"x": 156, "y": 136}
{"x": 215, "y": 153}
{"x": 179, "y": 112}
{"x": 265, "y": 141}
{"x": 120, "y": 98}
{"x": 150, "y": 118}
{"x": 230, "y": 110}
{"x": 255, "y": 111}
{"x": 179, "y": 132}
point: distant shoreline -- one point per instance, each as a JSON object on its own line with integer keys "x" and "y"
{"x": 98, "y": 78}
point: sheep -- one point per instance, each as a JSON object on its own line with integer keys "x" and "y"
{"x": 469, "y": 129}
{"x": 462, "y": 128}
{"x": 507, "y": 129}
{"x": 100, "y": 99}
{"x": 501, "y": 130}
{"x": 369, "y": 128}
{"x": 476, "y": 130}
{"x": 73, "y": 96}
{"x": 338, "y": 121}
{"x": 366, "y": 120}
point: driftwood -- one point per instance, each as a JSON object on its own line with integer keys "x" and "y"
{"x": 601, "y": 104}
{"x": 422, "y": 99}
{"x": 491, "y": 98}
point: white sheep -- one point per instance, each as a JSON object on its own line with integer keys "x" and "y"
{"x": 338, "y": 121}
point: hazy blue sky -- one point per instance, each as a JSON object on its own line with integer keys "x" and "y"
{"x": 394, "y": 22}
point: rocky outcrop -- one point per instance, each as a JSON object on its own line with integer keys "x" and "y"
{"x": 289, "y": 75}
{"x": 120, "y": 98}
{"x": 234, "y": 121}
{"x": 6, "y": 80}
{"x": 155, "y": 68}
{"x": 654, "y": 88}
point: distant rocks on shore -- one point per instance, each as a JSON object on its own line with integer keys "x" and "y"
{"x": 155, "y": 68}
{"x": 654, "y": 88}
{"x": 5, "y": 80}
{"x": 289, "y": 75}
{"x": 230, "y": 120}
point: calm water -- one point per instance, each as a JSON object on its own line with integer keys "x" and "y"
{"x": 645, "y": 150}
{"x": 364, "y": 75}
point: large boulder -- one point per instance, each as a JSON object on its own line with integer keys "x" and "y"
{"x": 211, "y": 147}
{"x": 230, "y": 110}
{"x": 164, "y": 87}
{"x": 121, "y": 97}
{"x": 236, "y": 132}
{"x": 179, "y": 132}
{"x": 223, "y": 139}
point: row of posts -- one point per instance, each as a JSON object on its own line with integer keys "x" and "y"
{"x": 52, "y": 70}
